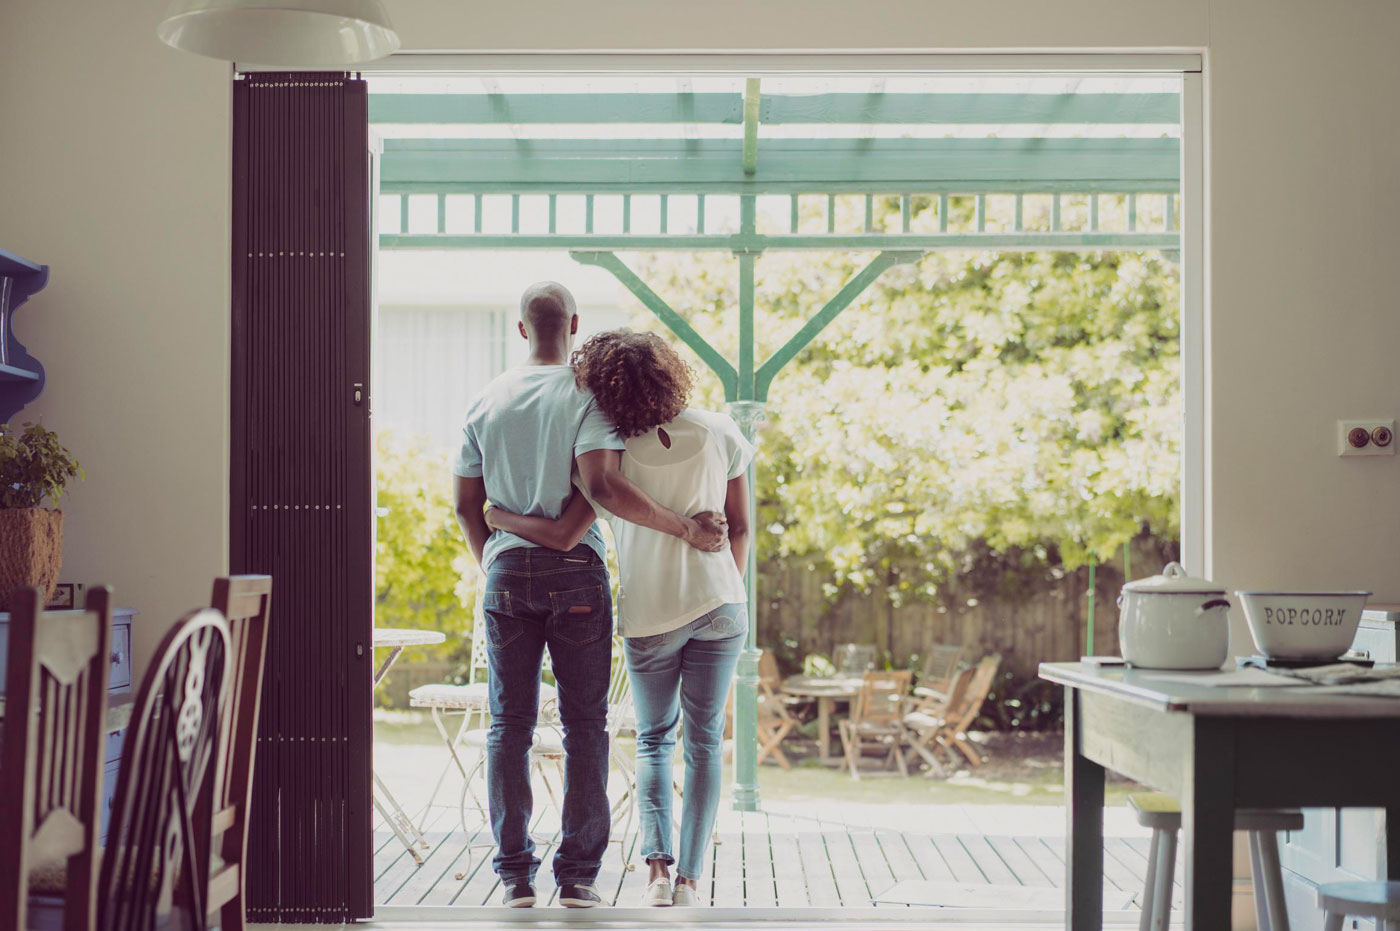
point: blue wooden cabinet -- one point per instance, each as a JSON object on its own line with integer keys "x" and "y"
{"x": 21, "y": 375}
{"x": 119, "y": 690}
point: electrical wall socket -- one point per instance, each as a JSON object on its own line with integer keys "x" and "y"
{"x": 1365, "y": 437}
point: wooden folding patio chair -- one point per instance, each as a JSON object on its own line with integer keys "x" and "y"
{"x": 940, "y": 672}
{"x": 775, "y": 722}
{"x": 925, "y": 718}
{"x": 876, "y": 720}
{"x": 853, "y": 659}
{"x": 928, "y": 728}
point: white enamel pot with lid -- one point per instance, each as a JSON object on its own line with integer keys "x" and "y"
{"x": 1174, "y": 621}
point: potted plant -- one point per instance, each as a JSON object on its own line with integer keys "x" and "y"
{"x": 34, "y": 467}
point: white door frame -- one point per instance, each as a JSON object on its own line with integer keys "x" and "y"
{"x": 1195, "y": 354}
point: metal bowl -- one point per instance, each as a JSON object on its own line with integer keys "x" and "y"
{"x": 1303, "y": 625}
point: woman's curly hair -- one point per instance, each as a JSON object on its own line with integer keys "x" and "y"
{"x": 638, "y": 380}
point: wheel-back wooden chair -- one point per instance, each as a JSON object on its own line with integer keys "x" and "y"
{"x": 876, "y": 720}
{"x": 51, "y": 758}
{"x": 775, "y": 722}
{"x": 967, "y": 706}
{"x": 245, "y": 601}
{"x": 152, "y": 862}
{"x": 939, "y": 673}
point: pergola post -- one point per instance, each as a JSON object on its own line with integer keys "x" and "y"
{"x": 748, "y": 415}
{"x": 746, "y": 393}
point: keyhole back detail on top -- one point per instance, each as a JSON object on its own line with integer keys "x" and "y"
{"x": 664, "y": 437}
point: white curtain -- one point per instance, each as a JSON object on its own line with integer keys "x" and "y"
{"x": 430, "y": 363}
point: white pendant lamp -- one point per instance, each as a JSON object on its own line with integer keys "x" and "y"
{"x": 287, "y": 33}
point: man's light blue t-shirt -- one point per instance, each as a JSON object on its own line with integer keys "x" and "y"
{"x": 521, "y": 435}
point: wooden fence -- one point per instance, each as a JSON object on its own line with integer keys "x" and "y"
{"x": 1039, "y": 620}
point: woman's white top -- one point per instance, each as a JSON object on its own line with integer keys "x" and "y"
{"x": 667, "y": 583}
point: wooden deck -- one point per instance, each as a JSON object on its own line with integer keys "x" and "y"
{"x": 789, "y": 860}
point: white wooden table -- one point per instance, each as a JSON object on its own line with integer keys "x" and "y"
{"x": 1216, "y": 749}
{"x": 396, "y": 640}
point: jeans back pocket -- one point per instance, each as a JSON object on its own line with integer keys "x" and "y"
{"x": 580, "y": 615}
{"x": 501, "y": 627}
{"x": 729, "y": 620}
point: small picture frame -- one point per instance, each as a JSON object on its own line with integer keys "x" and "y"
{"x": 65, "y": 595}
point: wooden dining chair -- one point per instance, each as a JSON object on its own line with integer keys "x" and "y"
{"x": 51, "y": 757}
{"x": 876, "y": 720}
{"x": 245, "y": 601}
{"x": 160, "y": 815}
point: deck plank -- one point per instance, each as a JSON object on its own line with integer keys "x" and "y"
{"x": 822, "y": 890}
{"x": 789, "y": 881}
{"x": 988, "y": 860}
{"x": 1045, "y": 859}
{"x": 964, "y": 867}
{"x": 1016, "y": 859}
{"x": 898, "y": 856}
{"x": 727, "y": 883}
{"x": 759, "y": 888}
{"x": 870, "y": 857}
{"x": 930, "y": 862}
{"x": 850, "y": 882}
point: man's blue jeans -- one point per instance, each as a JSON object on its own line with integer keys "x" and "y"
{"x": 687, "y": 670}
{"x": 538, "y": 598}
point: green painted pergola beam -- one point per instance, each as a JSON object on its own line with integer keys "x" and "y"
{"x": 898, "y": 165}
{"x": 819, "y": 321}
{"x": 818, "y": 109}
{"x": 740, "y": 243}
{"x": 728, "y": 377}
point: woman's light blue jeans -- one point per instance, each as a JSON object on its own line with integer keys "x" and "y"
{"x": 684, "y": 671}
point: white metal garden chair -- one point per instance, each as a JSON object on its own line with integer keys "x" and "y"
{"x": 548, "y": 751}
{"x": 471, "y": 701}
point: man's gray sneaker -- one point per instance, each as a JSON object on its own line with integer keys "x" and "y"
{"x": 575, "y": 896}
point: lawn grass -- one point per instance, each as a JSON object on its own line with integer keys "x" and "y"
{"x": 1031, "y": 780}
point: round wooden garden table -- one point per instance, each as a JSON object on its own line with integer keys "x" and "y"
{"x": 827, "y": 690}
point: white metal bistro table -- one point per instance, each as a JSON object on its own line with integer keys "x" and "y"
{"x": 1216, "y": 748}
{"x": 396, "y": 640}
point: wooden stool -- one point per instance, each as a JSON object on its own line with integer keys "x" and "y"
{"x": 1361, "y": 899}
{"x": 1162, "y": 814}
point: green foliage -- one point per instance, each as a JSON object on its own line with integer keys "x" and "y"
{"x": 425, "y": 577}
{"x": 33, "y": 466}
{"x": 1022, "y": 403}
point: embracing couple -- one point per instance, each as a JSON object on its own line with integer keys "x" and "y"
{"x": 548, "y": 446}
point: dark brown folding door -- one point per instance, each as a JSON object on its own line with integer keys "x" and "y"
{"x": 300, "y": 493}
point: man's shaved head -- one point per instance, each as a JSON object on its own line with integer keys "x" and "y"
{"x": 547, "y": 309}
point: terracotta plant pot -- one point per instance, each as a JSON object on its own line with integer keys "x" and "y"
{"x": 31, "y": 551}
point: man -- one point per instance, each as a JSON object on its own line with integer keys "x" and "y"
{"x": 520, "y": 441}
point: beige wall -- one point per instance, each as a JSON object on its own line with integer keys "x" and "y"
{"x": 114, "y": 153}
{"x": 114, "y": 171}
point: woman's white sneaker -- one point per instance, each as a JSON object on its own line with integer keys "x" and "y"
{"x": 685, "y": 894}
{"x": 658, "y": 893}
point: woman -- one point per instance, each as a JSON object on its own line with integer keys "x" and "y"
{"x": 682, "y": 611}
